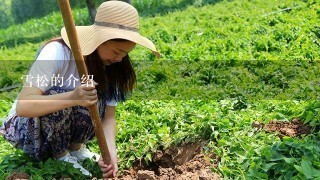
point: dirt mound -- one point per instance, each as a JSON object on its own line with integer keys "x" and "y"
{"x": 18, "y": 175}
{"x": 184, "y": 162}
{"x": 178, "y": 163}
{"x": 294, "y": 128}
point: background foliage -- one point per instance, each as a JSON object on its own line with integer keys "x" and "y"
{"x": 5, "y": 16}
{"x": 27, "y": 9}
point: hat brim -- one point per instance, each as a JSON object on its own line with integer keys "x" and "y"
{"x": 90, "y": 37}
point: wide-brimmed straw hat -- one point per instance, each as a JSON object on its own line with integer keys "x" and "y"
{"x": 114, "y": 20}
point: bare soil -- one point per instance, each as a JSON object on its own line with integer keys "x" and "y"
{"x": 179, "y": 163}
{"x": 294, "y": 128}
{"x": 18, "y": 175}
{"x": 186, "y": 162}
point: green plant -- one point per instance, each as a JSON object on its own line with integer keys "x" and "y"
{"x": 5, "y": 18}
{"x": 289, "y": 159}
{"x": 311, "y": 114}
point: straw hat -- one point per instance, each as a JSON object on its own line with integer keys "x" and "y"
{"x": 114, "y": 20}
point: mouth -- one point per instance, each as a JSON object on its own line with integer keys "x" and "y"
{"x": 107, "y": 62}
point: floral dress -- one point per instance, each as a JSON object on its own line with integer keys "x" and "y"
{"x": 48, "y": 135}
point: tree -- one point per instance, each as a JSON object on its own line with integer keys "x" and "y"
{"x": 92, "y": 9}
{"x": 91, "y": 5}
{"x": 23, "y": 10}
{"x": 5, "y": 17}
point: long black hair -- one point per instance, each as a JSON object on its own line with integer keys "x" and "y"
{"x": 116, "y": 80}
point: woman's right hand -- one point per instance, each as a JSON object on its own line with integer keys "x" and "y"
{"x": 108, "y": 171}
{"x": 85, "y": 94}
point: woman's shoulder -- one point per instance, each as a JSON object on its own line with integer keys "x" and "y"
{"x": 56, "y": 46}
{"x": 54, "y": 51}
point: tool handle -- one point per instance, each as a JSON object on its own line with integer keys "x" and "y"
{"x": 82, "y": 70}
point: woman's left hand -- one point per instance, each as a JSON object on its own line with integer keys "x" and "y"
{"x": 110, "y": 170}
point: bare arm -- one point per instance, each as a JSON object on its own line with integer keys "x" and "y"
{"x": 110, "y": 131}
{"x": 109, "y": 127}
{"x": 33, "y": 103}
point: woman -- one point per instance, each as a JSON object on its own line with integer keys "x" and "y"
{"x": 50, "y": 116}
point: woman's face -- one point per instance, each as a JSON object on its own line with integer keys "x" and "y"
{"x": 113, "y": 51}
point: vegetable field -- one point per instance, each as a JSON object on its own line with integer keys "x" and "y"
{"x": 236, "y": 90}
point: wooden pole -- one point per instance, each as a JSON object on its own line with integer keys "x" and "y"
{"x": 82, "y": 70}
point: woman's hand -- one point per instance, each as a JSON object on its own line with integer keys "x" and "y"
{"x": 85, "y": 94}
{"x": 108, "y": 170}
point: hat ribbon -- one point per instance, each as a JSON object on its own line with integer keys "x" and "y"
{"x": 114, "y": 25}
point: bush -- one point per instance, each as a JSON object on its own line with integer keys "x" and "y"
{"x": 5, "y": 18}
{"x": 27, "y": 9}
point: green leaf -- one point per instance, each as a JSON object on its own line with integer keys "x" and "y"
{"x": 267, "y": 166}
{"x": 307, "y": 169}
{"x": 289, "y": 160}
{"x": 309, "y": 116}
{"x": 149, "y": 158}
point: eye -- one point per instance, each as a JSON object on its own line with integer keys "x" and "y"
{"x": 116, "y": 52}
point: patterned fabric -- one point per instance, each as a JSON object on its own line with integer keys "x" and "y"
{"x": 51, "y": 134}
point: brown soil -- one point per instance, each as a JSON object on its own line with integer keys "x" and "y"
{"x": 184, "y": 162}
{"x": 179, "y": 163}
{"x": 17, "y": 175}
{"x": 294, "y": 128}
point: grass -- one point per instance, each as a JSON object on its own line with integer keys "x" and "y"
{"x": 224, "y": 65}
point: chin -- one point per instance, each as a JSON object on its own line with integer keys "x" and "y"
{"x": 106, "y": 63}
